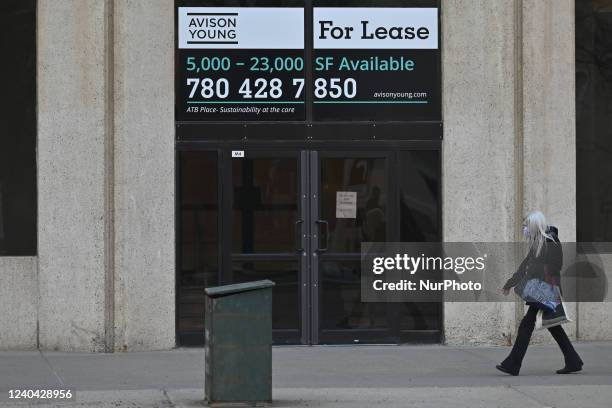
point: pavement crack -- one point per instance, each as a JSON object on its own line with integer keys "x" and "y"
{"x": 55, "y": 374}
{"x": 531, "y": 397}
{"x": 169, "y": 400}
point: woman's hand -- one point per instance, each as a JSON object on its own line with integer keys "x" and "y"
{"x": 505, "y": 291}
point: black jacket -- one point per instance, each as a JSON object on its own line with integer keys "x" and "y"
{"x": 546, "y": 266}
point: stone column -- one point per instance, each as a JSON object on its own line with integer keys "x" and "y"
{"x": 106, "y": 175}
{"x": 549, "y": 112}
{"x": 71, "y": 174}
{"x": 144, "y": 175}
{"x": 479, "y": 166}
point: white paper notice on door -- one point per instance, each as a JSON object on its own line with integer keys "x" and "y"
{"x": 346, "y": 204}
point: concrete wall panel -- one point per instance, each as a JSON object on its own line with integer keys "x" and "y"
{"x": 144, "y": 175}
{"x": 550, "y": 112}
{"x": 18, "y": 303}
{"x": 549, "y": 127}
{"x": 71, "y": 173}
{"x": 479, "y": 165}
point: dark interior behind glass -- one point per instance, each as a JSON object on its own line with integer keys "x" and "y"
{"x": 594, "y": 120}
{"x": 18, "y": 128}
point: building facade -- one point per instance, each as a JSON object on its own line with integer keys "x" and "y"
{"x": 134, "y": 207}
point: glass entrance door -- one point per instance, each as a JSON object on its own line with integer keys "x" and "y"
{"x": 298, "y": 217}
{"x": 351, "y": 192}
{"x": 265, "y": 225}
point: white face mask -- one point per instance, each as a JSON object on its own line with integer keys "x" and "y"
{"x": 525, "y": 231}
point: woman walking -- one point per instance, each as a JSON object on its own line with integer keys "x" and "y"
{"x": 543, "y": 262}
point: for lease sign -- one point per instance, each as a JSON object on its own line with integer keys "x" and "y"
{"x": 361, "y": 64}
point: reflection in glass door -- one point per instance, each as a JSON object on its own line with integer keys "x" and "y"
{"x": 198, "y": 241}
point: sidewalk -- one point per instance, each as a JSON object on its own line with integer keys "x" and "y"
{"x": 325, "y": 376}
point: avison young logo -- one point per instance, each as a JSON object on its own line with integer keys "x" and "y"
{"x": 212, "y": 28}
{"x": 241, "y": 28}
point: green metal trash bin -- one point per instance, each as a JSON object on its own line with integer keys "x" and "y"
{"x": 238, "y": 343}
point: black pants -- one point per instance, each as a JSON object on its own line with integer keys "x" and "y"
{"x": 515, "y": 359}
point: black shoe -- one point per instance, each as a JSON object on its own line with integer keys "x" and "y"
{"x": 568, "y": 370}
{"x": 505, "y": 370}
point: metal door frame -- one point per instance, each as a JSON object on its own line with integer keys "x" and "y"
{"x": 305, "y": 233}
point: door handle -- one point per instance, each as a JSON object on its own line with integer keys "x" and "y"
{"x": 319, "y": 247}
{"x": 298, "y": 235}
